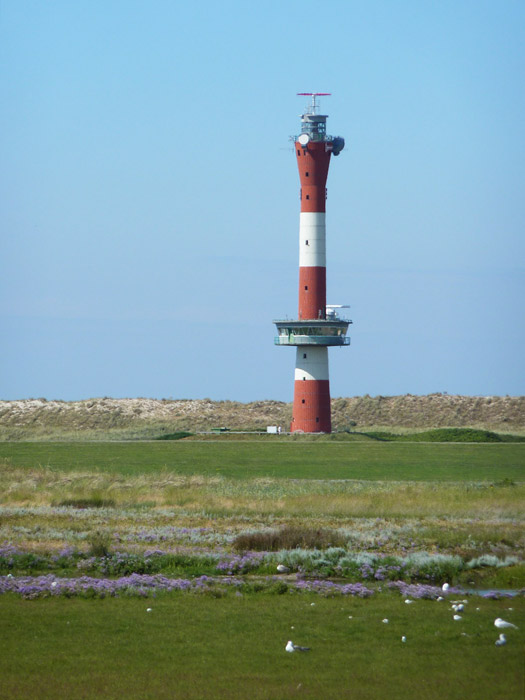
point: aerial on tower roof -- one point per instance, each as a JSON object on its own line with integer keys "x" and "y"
{"x": 313, "y": 107}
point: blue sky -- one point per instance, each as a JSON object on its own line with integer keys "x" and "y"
{"x": 150, "y": 212}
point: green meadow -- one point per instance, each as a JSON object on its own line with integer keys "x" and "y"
{"x": 190, "y": 648}
{"x": 452, "y": 511}
{"x": 241, "y": 459}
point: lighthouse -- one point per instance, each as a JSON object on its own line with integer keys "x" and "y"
{"x": 318, "y": 326}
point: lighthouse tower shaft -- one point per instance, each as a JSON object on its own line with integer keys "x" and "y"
{"x": 318, "y": 326}
{"x": 311, "y": 405}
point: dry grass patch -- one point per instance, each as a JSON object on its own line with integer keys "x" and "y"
{"x": 277, "y": 497}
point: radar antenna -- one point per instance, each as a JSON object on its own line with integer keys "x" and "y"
{"x": 314, "y": 105}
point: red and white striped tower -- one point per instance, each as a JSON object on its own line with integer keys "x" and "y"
{"x": 317, "y": 326}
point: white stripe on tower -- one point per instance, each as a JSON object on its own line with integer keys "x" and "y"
{"x": 312, "y": 367}
{"x": 312, "y": 239}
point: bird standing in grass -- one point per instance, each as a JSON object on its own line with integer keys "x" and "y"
{"x": 290, "y": 646}
{"x": 502, "y": 624}
{"x": 501, "y": 640}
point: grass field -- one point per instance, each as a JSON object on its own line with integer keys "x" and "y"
{"x": 292, "y": 460}
{"x": 451, "y": 512}
{"x": 191, "y": 647}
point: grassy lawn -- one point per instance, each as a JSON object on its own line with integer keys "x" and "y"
{"x": 191, "y": 499}
{"x": 296, "y": 460}
{"x": 196, "y": 647}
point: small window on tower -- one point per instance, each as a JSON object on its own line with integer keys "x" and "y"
{"x": 307, "y": 174}
{"x": 304, "y": 379}
{"x": 306, "y": 243}
{"x": 305, "y": 287}
{"x": 307, "y": 196}
{"x": 298, "y": 152}
{"x": 304, "y": 356}
{"x": 317, "y": 420}
{"x": 303, "y": 401}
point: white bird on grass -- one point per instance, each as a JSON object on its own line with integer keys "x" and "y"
{"x": 408, "y": 601}
{"x": 457, "y": 617}
{"x": 501, "y": 624}
{"x": 445, "y": 587}
{"x": 282, "y": 569}
{"x": 501, "y": 640}
{"x": 290, "y": 646}
{"x": 403, "y": 638}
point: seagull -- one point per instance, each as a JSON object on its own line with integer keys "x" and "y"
{"x": 439, "y": 598}
{"x": 385, "y": 621}
{"x": 408, "y": 601}
{"x": 445, "y": 587}
{"x": 148, "y": 609}
{"x": 501, "y": 624}
{"x": 460, "y": 607}
{"x": 290, "y": 646}
{"x": 403, "y": 638}
{"x": 501, "y": 640}
{"x": 282, "y": 569}
{"x": 457, "y": 617}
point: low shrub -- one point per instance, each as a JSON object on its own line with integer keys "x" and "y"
{"x": 289, "y": 537}
{"x": 12, "y": 559}
{"x": 437, "y": 568}
{"x": 443, "y": 435}
{"x": 492, "y": 561}
{"x": 91, "y": 502}
{"x": 100, "y": 543}
{"x": 175, "y": 436}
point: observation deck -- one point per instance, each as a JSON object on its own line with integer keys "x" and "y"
{"x": 325, "y": 332}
